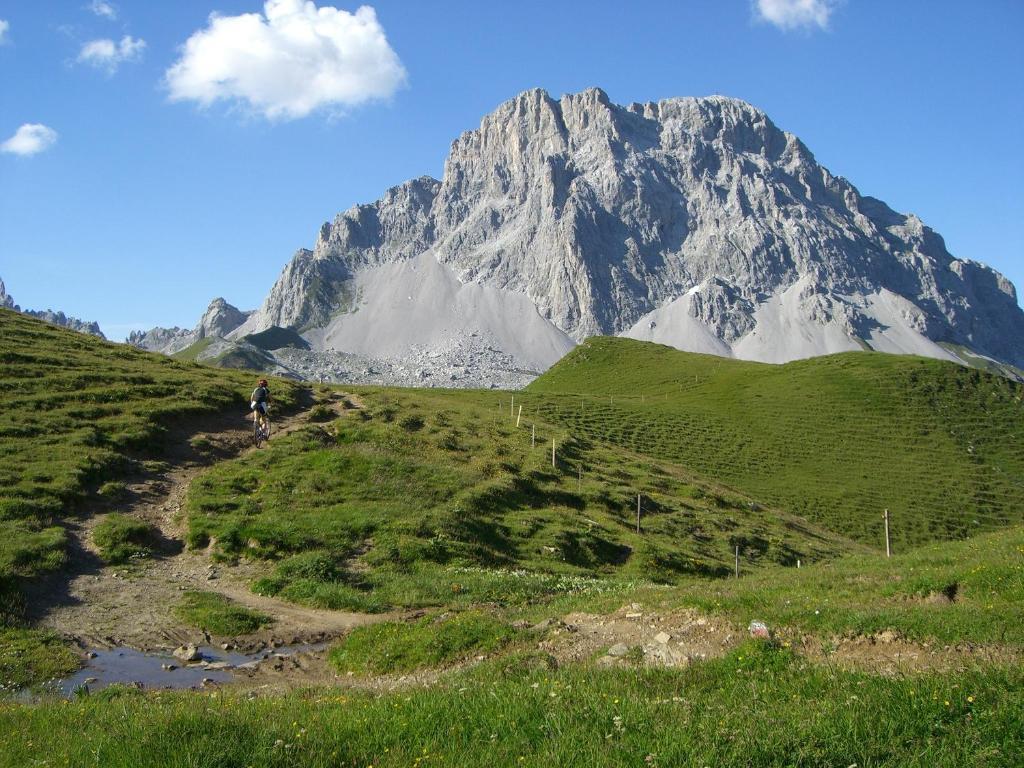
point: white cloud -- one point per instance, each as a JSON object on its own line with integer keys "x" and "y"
{"x": 794, "y": 14}
{"x": 109, "y": 55}
{"x": 101, "y": 8}
{"x": 289, "y": 61}
{"x": 30, "y": 139}
{"x": 4, "y": 26}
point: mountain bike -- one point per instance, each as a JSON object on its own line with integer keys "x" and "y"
{"x": 261, "y": 429}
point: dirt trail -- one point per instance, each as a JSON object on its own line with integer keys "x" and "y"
{"x": 105, "y": 606}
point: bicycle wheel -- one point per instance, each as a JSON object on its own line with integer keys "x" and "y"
{"x": 257, "y": 433}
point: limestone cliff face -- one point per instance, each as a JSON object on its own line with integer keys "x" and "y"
{"x": 692, "y": 221}
{"x": 312, "y": 286}
{"x": 219, "y": 319}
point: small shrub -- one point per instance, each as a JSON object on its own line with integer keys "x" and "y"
{"x": 450, "y": 441}
{"x": 316, "y": 565}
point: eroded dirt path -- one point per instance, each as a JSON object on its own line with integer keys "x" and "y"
{"x": 104, "y": 606}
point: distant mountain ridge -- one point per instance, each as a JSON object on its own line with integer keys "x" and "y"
{"x": 219, "y": 319}
{"x": 49, "y": 316}
{"x": 693, "y": 222}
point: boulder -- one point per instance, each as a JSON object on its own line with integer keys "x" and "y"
{"x": 188, "y": 653}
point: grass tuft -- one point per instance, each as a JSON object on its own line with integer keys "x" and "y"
{"x": 121, "y": 539}
{"x": 219, "y": 615}
{"x": 432, "y": 641}
{"x": 29, "y": 657}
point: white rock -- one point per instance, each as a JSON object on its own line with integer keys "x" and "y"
{"x": 188, "y": 652}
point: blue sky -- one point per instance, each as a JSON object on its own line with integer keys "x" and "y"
{"x": 150, "y": 195}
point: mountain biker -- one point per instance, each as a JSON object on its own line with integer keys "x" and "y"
{"x": 260, "y": 402}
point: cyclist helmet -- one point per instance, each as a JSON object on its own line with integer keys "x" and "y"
{"x": 263, "y": 382}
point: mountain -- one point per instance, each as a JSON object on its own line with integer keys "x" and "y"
{"x": 694, "y": 222}
{"x": 49, "y": 316}
{"x": 219, "y": 319}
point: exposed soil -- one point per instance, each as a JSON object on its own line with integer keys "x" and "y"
{"x": 633, "y": 635}
{"x": 886, "y": 653}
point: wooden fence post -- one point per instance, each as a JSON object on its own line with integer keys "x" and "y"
{"x": 737, "y": 561}
{"x": 638, "y": 513}
{"x": 553, "y": 454}
{"x": 519, "y": 416}
{"x": 888, "y": 548}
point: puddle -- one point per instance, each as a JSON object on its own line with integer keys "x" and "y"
{"x": 127, "y": 666}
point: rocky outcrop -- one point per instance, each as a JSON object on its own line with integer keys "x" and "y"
{"x": 219, "y": 319}
{"x": 316, "y": 285}
{"x": 7, "y": 302}
{"x": 166, "y": 340}
{"x": 71, "y": 323}
{"x": 51, "y": 317}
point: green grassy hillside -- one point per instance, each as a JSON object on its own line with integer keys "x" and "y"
{"x": 77, "y": 413}
{"x": 425, "y": 497}
{"x": 834, "y": 439}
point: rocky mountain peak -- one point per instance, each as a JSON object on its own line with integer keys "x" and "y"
{"x": 693, "y": 221}
{"x": 219, "y": 319}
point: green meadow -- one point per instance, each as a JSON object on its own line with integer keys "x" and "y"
{"x": 758, "y": 706}
{"x": 835, "y": 439}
